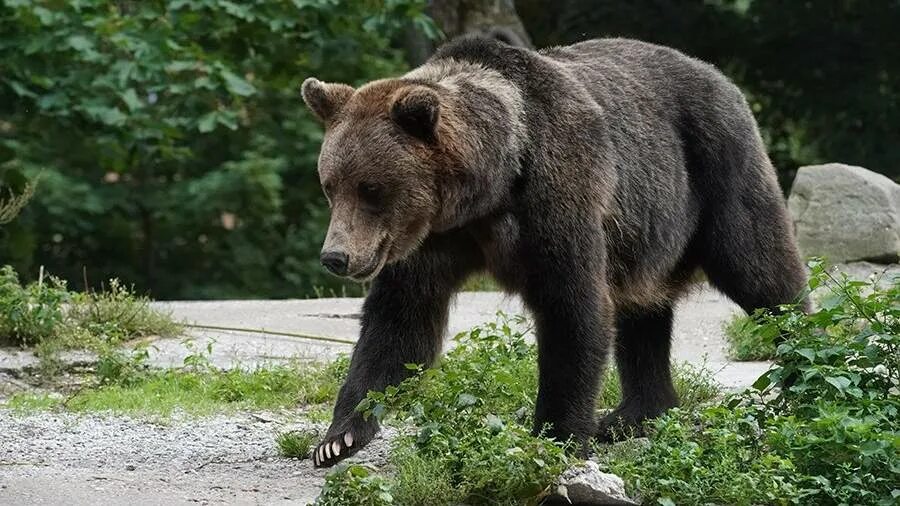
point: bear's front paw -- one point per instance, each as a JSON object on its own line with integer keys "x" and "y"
{"x": 342, "y": 441}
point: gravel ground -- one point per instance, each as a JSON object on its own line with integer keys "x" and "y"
{"x": 63, "y": 458}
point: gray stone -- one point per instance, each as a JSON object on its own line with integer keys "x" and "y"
{"x": 846, "y": 213}
{"x": 586, "y": 484}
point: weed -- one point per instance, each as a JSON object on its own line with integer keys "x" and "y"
{"x": 472, "y": 417}
{"x": 44, "y": 314}
{"x": 357, "y": 485}
{"x": 117, "y": 314}
{"x": 295, "y": 444}
{"x": 745, "y": 342}
{"x": 32, "y": 313}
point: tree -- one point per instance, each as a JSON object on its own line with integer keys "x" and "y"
{"x": 175, "y": 150}
{"x": 458, "y": 17}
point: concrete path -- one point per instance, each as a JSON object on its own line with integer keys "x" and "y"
{"x": 698, "y": 330}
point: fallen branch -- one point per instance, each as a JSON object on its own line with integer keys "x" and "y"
{"x": 311, "y": 337}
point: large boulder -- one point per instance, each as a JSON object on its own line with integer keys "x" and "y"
{"x": 846, "y": 213}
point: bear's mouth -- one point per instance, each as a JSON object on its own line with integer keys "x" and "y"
{"x": 379, "y": 259}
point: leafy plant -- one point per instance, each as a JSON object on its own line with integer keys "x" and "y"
{"x": 355, "y": 484}
{"x": 117, "y": 313}
{"x": 745, "y": 341}
{"x": 472, "y": 415}
{"x": 31, "y": 313}
{"x": 821, "y": 427}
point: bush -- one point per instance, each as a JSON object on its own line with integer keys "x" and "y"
{"x": 31, "y": 313}
{"x": 821, "y": 427}
{"x": 466, "y": 436}
{"x": 46, "y": 314}
{"x": 295, "y": 444}
{"x": 745, "y": 341}
{"x": 357, "y": 485}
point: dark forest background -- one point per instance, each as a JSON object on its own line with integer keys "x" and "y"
{"x": 172, "y": 150}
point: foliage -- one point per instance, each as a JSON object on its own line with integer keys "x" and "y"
{"x": 173, "y": 145}
{"x": 30, "y": 313}
{"x": 295, "y": 444}
{"x": 745, "y": 343}
{"x": 821, "y": 427}
{"x": 116, "y": 314}
{"x": 355, "y": 484}
{"x": 466, "y": 435}
{"x": 45, "y": 314}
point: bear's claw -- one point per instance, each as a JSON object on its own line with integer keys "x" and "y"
{"x": 333, "y": 449}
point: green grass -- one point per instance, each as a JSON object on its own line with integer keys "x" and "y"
{"x": 34, "y": 402}
{"x": 295, "y": 444}
{"x": 745, "y": 342}
{"x": 202, "y": 391}
{"x": 480, "y": 283}
{"x": 47, "y": 316}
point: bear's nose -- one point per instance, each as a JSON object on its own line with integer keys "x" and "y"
{"x": 335, "y": 261}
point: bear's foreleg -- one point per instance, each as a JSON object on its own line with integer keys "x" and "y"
{"x": 404, "y": 318}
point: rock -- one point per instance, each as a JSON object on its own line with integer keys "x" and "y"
{"x": 586, "y": 484}
{"x": 846, "y": 213}
{"x": 883, "y": 275}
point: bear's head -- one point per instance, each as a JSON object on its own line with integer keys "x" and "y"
{"x": 402, "y": 158}
{"x": 378, "y": 167}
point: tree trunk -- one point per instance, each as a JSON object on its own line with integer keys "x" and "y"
{"x": 496, "y": 18}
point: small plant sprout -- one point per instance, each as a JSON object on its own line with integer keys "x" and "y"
{"x": 295, "y": 444}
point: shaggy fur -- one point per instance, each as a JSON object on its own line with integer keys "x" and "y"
{"x": 593, "y": 179}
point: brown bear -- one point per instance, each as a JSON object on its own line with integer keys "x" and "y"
{"x": 593, "y": 179}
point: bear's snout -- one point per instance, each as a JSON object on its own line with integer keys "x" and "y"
{"x": 335, "y": 261}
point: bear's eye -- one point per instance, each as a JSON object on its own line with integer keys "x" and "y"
{"x": 370, "y": 194}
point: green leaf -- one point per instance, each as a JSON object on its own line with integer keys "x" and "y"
{"x": 762, "y": 382}
{"x": 839, "y": 382}
{"x": 80, "y": 43}
{"x": 131, "y": 100}
{"x": 112, "y": 116}
{"x": 207, "y": 122}
{"x": 237, "y": 85}
{"x": 808, "y": 353}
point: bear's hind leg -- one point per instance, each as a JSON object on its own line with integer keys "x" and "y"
{"x": 642, "y": 358}
{"x": 748, "y": 250}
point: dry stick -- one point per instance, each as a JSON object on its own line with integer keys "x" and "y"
{"x": 311, "y": 337}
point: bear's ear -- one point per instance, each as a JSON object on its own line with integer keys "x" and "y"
{"x": 417, "y": 110}
{"x": 325, "y": 99}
